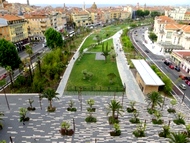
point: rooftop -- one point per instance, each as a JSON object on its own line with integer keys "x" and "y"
{"x": 147, "y": 74}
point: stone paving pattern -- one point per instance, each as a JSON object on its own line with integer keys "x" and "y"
{"x": 44, "y": 126}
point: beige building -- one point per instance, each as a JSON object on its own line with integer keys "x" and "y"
{"x": 4, "y": 32}
{"x": 146, "y": 78}
{"x": 168, "y": 31}
{"x": 17, "y": 28}
{"x": 182, "y": 59}
{"x": 81, "y": 18}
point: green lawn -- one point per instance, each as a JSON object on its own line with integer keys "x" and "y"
{"x": 100, "y": 80}
{"x": 98, "y": 48}
{"x": 104, "y": 33}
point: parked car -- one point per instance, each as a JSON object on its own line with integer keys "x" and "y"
{"x": 187, "y": 82}
{"x": 167, "y": 63}
{"x": 182, "y": 86}
{"x": 146, "y": 51}
{"x": 3, "y": 76}
{"x": 177, "y": 68}
{"x": 187, "y": 78}
{"x": 182, "y": 76}
{"x": 171, "y": 66}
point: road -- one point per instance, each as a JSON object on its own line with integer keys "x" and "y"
{"x": 36, "y": 49}
{"x": 138, "y": 38}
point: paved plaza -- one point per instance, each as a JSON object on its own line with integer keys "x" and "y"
{"x": 44, "y": 127}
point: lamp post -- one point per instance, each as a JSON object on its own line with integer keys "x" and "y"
{"x": 183, "y": 97}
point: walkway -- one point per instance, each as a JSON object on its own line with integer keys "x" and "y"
{"x": 133, "y": 91}
{"x": 44, "y": 127}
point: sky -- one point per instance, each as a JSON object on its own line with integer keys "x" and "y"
{"x": 118, "y": 2}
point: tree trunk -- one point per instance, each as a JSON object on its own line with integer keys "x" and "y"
{"x": 50, "y": 104}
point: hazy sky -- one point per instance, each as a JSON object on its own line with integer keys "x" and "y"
{"x": 119, "y": 2}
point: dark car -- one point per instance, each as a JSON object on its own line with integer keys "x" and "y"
{"x": 146, "y": 51}
{"x": 187, "y": 78}
{"x": 177, "y": 68}
{"x": 167, "y": 63}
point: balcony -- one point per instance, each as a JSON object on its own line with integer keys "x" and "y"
{"x": 43, "y": 26}
{"x": 187, "y": 37}
{"x": 43, "y": 21}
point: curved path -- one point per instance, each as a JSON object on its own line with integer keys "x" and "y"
{"x": 132, "y": 89}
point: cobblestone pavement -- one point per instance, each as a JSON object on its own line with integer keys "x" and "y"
{"x": 43, "y": 127}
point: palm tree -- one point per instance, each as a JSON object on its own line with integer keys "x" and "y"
{"x": 39, "y": 66}
{"x": 154, "y": 98}
{"x": 29, "y": 51}
{"x": 22, "y": 112}
{"x": 105, "y": 52}
{"x": 114, "y": 106}
{"x": 178, "y": 138}
{"x": 9, "y": 72}
{"x": 49, "y": 93}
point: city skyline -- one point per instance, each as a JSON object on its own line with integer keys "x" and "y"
{"x": 107, "y": 2}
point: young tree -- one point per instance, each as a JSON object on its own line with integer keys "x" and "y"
{"x": 53, "y": 38}
{"x": 105, "y": 52}
{"x": 9, "y": 55}
{"x": 154, "y": 99}
{"x": 111, "y": 76}
{"x": 50, "y": 94}
{"x": 114, "y": 106}
{"x": 178, "y": 138}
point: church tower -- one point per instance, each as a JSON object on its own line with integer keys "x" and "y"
{"x": 28, "y": 2}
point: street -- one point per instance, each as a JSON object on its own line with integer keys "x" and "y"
{"x": 138, "y": 37}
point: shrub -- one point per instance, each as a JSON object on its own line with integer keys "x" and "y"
{"x": 90, "y": 119}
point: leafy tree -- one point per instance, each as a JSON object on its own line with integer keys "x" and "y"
{"x": 49, "y": 93}
{"x": 53, "y": 38}
{"x": 178, "y": 138}
{"x": 146, "y": 12}
{"x": 153, "y": 14}
{"x": 3, "y": 141}
{"x": 153, "y": 36}
{"x": 111, "y": 76}
{"x": 139, "y": 13}
{"x": 105, "y": 52}
{"x": 8, "y": 55}
{"x": 173, "y": 103}
{"x": 65, "y": 125}
{"x": 154, "y": 99}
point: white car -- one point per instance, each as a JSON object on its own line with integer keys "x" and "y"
{"x": 182, "y": 86}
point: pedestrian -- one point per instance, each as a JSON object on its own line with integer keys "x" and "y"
{"x": 73, "y": 58}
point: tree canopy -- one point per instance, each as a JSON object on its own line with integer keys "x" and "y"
{"x": 8, "y": 55}
{"x": 153, "y": 14}
{"x": 141, "y": 13}
{"x": 53, "y": 38}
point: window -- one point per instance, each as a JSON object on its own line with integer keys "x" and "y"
{"x": 169, "y": 34}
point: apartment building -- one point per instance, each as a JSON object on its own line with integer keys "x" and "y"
{"x": 177, "y": 13}
{"x": 4, "y": 32}
{"x": 81, "y": 18}
{"x": 187, "y": 15}
{"x": 170, "y": 31}
{"x": 17, "y": 29}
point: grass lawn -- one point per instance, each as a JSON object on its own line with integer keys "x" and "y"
{"x": 104, "y": 33}
{"x": 100, "y": 70}
{"x": 98, "y": 48}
